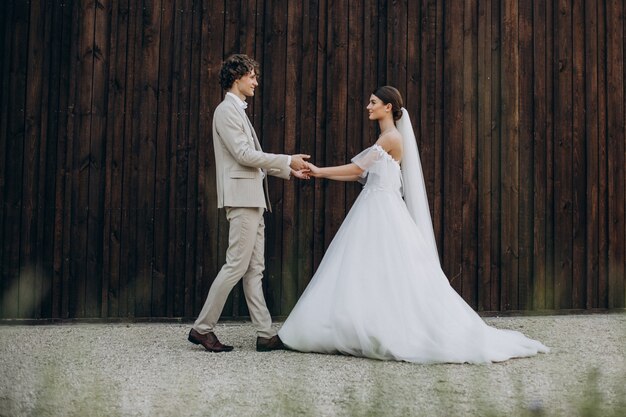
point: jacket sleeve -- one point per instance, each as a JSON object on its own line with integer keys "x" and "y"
{"x": 229, "y": 125}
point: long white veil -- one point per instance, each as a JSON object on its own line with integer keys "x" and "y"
{"x": 413, "y": 185}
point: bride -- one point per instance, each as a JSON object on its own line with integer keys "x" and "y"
{"x": 379, "y": 291}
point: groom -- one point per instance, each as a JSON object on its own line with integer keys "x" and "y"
{"x": 241, "y": 174}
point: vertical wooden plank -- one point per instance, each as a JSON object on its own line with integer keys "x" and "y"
{"x": 336, "y": 99}
{"x": 248, "y": 19}
{"x": 65, "y": 157}
{"x": 307, "y": 134}
{"x": 184, "y": 163}
{"x": 28, "y": 282}
{"x": 616, "y": 157}
{"x": 371, "y": 79}
{"x": 5, "y": 26}
{"x": 579, "y": 169}
{"x": 49, "y": 239}
{"x": 128, "y": 266}
{"x": 45, "y": 211}
{"x": 114, "y": 160}
{"x": 97, "y": 143}
{"x": 5, "y": 72}
{"x": 6, "y": 29}
{"x": 192, "y": 175}
{"x": 108, "y": 241}
{"x": 397, "y": 41}
{"x": 603, "y": 180}
{"x": 319, "y": 157}
{"x": 293, "y": 79}
{"x": 484, "y": 158}
{"x": 272, "y": 139}
{"x": 203, "y": 258}
{"x": 591, "y": 152}
{"x": 496, "y": 163}
{"x": 181, "y": 153}
{"x": 563, "y": 158}
{"x": 232, "y": 27}
{"x": 453, "y": 144}
{"x": 551, "y": 65}
{"x": 15, "y": 149}
{"x": 81, "y": 163}
{"x": 622, "y": 132}
{"x": 355, "y": 98}
{"x": 526, "y": 154}
{"x": 414, "y": 78}
{"x": 510, "y": 156}
{"x": 14, "y": 157}
{"x": 135, "y": 122}
{"x": 429, "y": 130}
{"x": 146, "y": 153}
{"x": 469, "y": 228}
{"x": 174, "y": 275}
{"x": 160, "y": 278}
{"x": 540, "y": 162}
{"x": 383, "y": 32}
{"x": 255, "y": 113}
{"x": 438, "y": 211}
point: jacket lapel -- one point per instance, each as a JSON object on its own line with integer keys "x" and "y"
{"x": 244, "y": 116}
{"x": 256, "y": 139}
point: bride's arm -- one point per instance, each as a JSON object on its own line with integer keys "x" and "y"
{"x": 348, "y": 172}
{"x": 344, "y": 177}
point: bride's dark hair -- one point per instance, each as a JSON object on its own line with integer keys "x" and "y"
{"x": 390, "y": 95}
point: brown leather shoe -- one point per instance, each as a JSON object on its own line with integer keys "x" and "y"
{"x": 264, "y": 344}
{"x": 209, "y": 341}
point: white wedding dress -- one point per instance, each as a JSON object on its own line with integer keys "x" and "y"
{"x": 380, "y": 292}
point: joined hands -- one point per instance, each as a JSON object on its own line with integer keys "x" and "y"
{"x": 310, "y": 170}
{"x": 302, "y": 169}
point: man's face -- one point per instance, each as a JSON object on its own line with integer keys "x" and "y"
{"x": 247, "y": 84}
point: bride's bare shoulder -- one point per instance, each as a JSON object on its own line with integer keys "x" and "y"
{"x": 391, "y": 142}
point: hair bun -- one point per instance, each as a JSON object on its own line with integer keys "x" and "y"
{"x": 397, "y": 114}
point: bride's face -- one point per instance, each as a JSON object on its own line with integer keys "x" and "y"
{"x": 377, "y": 109}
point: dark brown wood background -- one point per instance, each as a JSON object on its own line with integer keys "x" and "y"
{"x": 107, "y": 171}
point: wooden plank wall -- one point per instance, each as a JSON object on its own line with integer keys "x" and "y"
{"x": 107, "y": 170}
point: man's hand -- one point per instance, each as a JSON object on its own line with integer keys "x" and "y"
{"x": 298, "y": 161}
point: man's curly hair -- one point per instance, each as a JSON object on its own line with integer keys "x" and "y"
{"x": 235, "y": 67}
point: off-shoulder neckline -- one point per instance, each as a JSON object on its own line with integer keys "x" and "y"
{"x": 381, "y": 149}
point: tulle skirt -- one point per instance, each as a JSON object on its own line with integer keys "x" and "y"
{"x": 380, "y": 293}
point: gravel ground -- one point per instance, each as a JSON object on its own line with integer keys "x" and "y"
{"x": 151, "y": 370}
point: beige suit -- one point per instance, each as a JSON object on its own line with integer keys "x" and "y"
{"x": 242, "y": 190}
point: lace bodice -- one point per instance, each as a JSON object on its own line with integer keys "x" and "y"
{"x": 380, "y": 170}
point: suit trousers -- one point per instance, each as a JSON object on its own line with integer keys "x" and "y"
{"x": 245, "y": 259}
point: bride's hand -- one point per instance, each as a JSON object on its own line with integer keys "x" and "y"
{"x": 314, "y": 171}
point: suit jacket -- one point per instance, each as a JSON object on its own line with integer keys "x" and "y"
{"x": 239, "y": 159}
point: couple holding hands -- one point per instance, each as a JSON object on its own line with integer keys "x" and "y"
{"x": 379, "y": 292}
